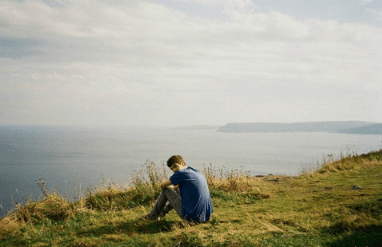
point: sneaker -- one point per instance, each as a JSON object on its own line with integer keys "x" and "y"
{"x": 146, "y": 217}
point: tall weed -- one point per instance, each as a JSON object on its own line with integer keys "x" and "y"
{"x": 227, "y": 180}
{"x": 144, "y": 186}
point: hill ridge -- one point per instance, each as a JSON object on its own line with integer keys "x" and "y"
{"x": 323, "y": 126}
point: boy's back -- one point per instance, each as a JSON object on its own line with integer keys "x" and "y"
{"x": 196, "y": 198}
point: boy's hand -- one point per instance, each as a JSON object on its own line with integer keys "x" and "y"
{"x": 165, "y": 184}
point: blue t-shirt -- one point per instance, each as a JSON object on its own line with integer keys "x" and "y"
{"x": 196, "y": 198}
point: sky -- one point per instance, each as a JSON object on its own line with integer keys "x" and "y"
{"x": 189, "y": 62}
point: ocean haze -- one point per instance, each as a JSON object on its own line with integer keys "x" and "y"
{"x": 70, "y": 158}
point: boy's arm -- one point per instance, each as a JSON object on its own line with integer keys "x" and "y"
{"x": 165, "y": 184}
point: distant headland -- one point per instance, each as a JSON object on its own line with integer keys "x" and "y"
{"x": 347, "y": 127}
{"x": 199, "y": 127}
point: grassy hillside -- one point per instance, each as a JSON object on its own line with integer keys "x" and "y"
{"x": 340, "y": 204}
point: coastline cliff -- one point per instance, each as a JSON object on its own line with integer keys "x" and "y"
{"x": 348, "y": 127}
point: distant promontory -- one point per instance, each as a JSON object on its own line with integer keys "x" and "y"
{"x": 348, "y": 127}
{"x": 199, "y": 127}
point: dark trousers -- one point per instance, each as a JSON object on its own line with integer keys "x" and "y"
{"x": 168, "y": 199}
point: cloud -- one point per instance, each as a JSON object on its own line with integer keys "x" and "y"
{"x": 95, "y": 61}
{"x": 375, "y": 12}
{"x": 365, "y": 1}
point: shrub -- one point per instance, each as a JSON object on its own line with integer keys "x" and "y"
{"x": 53, "y": 207}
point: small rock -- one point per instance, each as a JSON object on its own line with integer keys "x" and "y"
{"x": 357, "y": 187}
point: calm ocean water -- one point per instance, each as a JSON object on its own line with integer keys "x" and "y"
{"x": 73, "y": 158}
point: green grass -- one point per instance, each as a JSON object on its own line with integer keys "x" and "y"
{"x": 339, "y": 204}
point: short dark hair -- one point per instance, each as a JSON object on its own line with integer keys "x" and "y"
{"x": 175, "y": 159}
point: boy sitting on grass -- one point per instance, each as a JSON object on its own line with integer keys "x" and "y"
{"x": 190, "y": 197}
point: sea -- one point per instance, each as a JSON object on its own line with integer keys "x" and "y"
{"x": 70, "y": 160}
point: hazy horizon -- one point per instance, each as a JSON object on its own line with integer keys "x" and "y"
{"x": 179, "y": 63}
{"x": 164, "y": 126}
